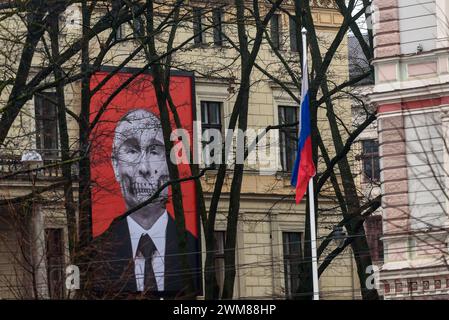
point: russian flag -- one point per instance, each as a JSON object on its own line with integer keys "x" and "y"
{"x": 304, "y": 168}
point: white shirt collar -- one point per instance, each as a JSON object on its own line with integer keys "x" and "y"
{"x": 157, "y": 232}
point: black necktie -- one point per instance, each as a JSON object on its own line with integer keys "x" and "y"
{"x": 146, "y": 247}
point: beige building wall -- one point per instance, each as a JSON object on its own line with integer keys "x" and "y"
{"x": 267, "y": 207}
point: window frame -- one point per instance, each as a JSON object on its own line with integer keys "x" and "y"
{"x": 198, "y": 26}
{"x": 55, "y": 262}
{"x": 204, "y": 126}
{"x": 41, "y": 100}
{"x": 219, "y": 255}
{"x": 275, "y": 30}
{"x": 288, "y": 280}
{"x": 119, "y": 32}
{"x": 287, "y": 167}
{"x": 220, "y": 112}
{"x": 373, "y": 158}
{"x": 217, "y": 20}
{"x": 140, "y": 30}
{"x": 294, "y": 29}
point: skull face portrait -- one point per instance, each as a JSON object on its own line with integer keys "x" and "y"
{"x": 138, "y": 158}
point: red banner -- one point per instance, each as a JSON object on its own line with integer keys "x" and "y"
{"x": 107, "y": 198}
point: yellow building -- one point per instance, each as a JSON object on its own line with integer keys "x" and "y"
{"x": 270, "y": 224}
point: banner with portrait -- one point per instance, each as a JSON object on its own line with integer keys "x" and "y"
{"x": 140, "y": 252}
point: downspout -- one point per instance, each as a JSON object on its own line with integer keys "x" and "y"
{"x": 273, "y": 271}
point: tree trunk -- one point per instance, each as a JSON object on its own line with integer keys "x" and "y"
{"x": 69, "y": 202}
{"x": 85, "y": 207}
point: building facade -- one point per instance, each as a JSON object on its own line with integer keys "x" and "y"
{"x": 271, "y": 227}
{"x": 411, "y": 40}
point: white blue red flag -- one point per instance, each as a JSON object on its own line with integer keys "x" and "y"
{"x": 304, "y": 168}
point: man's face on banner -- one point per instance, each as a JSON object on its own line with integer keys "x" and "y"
{"x": 139, "y": 158}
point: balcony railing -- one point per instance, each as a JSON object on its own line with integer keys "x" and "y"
{"x": 11, "y": 166}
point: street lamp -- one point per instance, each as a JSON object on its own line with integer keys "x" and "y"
{"x": 31, "y": 160}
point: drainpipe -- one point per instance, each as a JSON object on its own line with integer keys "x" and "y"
{"x": 273, "y": 271}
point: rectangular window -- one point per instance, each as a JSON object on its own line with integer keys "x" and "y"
{"x": 198, "y": 25}
{"x": 217, "y": 20}
{"x": 370, "y": 159}
{"x": 219, "y": 245}
{"x": 210, "y": 123}
{"x": 294, "y": 34}
{"x": 275, "y": 31}
{"x": 46, "y": 116}
{"x": 119, "y": 34}
{"x": 138, "y": 25}
{"x": 55, "y": 262}
{"x": 288, "y": 136}
{"x": 211, "y": 115}
{"x": 373, "y": 229}
{"x": 292, "y": 258}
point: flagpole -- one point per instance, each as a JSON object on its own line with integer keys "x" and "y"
{"x": 316, "y": 287}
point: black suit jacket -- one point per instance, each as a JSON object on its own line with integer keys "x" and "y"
{"x": 111, "y": 265}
